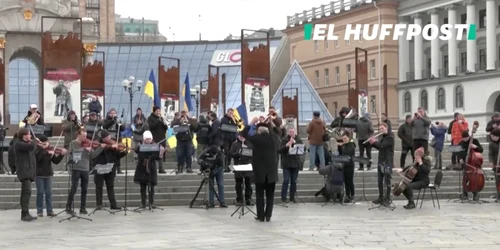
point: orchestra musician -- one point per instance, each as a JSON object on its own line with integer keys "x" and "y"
{"x": 146, "y": 173}
{"x": 277, "y": 120}
{"x": 34, "y": 117}
{"x": 70, "y": 126}
{"x": 421, "y": 179}
{"x": 348, "y": 148}
{"x": 158, "y": 127}
{"x": 45, "y": 156}
{"x": 114, "y": 126}
{"x": 80, "y": 170}
{"x": 26, "y": 169}
{"x": 240, "y": 177}
{"x": 228, "y": 137}
{"x": 106, "y": 153}
{"x": 12, "y": 153}
{"x": 462, "y": 156}
{"x": 338, "y": 121}
{"x": 493, "y": 147}
{"x": 94, "y": 123}
{"x": 290, "y": 164}
{"x": 184, "y": 148}
{"x": 385, "y": 147}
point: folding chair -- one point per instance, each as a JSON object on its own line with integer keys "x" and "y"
{"x": 432, "y": 186}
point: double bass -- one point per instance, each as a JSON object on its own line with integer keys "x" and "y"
{"x": 473, "y": 179}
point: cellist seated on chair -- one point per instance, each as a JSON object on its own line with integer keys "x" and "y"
{"x": 421, "y": 180}
{"x": 476, "y": 147}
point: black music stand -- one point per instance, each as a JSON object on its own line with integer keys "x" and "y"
{"x": 240, "y": 208}
{"x": 209, "y": 185}
{"x": 151, "y": 152}
{"x": 386, "y": 201}
{"x": 365, "y": 161}
{"x": 179, "y": 129}
{"x": 458, "y": 197}
{"x": 37, "y": 130}
{"x": 337, "y": 162}
{"x": 102, "y": 169}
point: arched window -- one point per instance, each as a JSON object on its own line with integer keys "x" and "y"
{"x": 441, "y": 101}
{"x": 423, "y": 99}
{"x": 459, "y": 97}
{"x": 407, "y": 102}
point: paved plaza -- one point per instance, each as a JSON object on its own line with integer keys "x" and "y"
{"x": 300, "y": 226}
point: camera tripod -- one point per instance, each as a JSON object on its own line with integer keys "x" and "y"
{"x": 208, "y": 183}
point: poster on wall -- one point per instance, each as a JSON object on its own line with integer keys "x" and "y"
{"x": 214, "y": 107}
{"x": 170, "y": 105}
{"x": 291, "y": 122}
{"x": 256, "y": 96}
{"x": 61, "y": 93}
{"x": 92, "y": 101}
{"x": 362, "y": 102}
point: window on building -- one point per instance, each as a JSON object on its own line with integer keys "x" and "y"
{"x": 459, "y": 97}
{"x": 463, "y": 62}
{"x": 373, "y": 103}
{"x": 407, "y": 102}
{"x": 335, "y": 107}
{"x": 316, "y": 75}
{"x": 336, "y": 42}
{"x": 348, "y": 41}
{"x": 372, "y": 69}
{"x": 316, "y": 46}
{"x": 482, "y": 59}
{"x": 423, "y": 99}
{"x": 441, "y": 104}
{"x": 348, "y": 70}
{"x": 327, "y": 44}
{"x": 482, "y": 19}
{"x": 337, "y": 75}
{"x": 445, "y": 63}
{"x": 498, "y": 14}
{"x": 327, "y": 77}
{"x": 429, "y": 64}
{"x": 463, "y": 18}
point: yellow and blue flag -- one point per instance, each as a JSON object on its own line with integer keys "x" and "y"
{"x": 186, "y": 93}
{"x": 241, "y": 116}
{"x": 172, "y": 142}
{"x": 151, "y": 90}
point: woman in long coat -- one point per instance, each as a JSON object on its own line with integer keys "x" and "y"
{"x": 146, "y": 174}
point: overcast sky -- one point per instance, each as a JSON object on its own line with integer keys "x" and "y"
{"x": 219, "y": 18}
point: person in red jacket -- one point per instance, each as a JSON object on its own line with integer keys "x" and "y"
{"x": 459, "y": 126}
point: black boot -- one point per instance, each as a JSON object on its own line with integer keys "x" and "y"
{"x": 379, "y": 200}
{"x": 410, "y": 205}
{"x": 143, "y": 201}
{"x": 119, "y": 170}
{"x": 68, "y": 208}
{"x": 25, "y": 216}
{"x": 180, "y": 169}
{"x": 161, "y": 170}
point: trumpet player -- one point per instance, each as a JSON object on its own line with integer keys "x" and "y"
{"x": 34, "y": 117}
{"x": 113, "y": 125}
{"x": 364, "y": 130}
{"x": 184, "y": 148}
{"x": 337, "y": 122}
{"x": 70, "y": 126}
{"x": 228, "y": 137}
{"x": 385, "y": 147}
{"x": 158, "y": 127}
{"x": 290, "y": 164}
{"x": 275, "y": 117}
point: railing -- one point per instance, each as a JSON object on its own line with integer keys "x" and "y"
{"x": 323, "y": 11}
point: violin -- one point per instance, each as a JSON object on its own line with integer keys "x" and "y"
{"x": 57, "y": 151}
{"x": 107, "y": 145}
{"x": 91, "y": 144}
{"x": 120, "y": 146}
{"x": 473, "y": 179}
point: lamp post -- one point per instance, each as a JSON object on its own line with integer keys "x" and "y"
{"x": 132, "y": 86}
{"x": 203, "y": 91}
{"x": 379, "y": 66}
{"x": 195, "y": 94}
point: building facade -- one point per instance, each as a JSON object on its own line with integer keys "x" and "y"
{"x": 137, "y": 30}
{"x": 103, "y": 12}
{"x": 330, "y": 65}
{"x": 451, "y": 76}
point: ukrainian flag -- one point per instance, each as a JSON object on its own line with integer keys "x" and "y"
{"x": 241, "y": 117}
{"x": 172, "y": 142}
{"x": 151, "y": 90}
{"x": 186, "y": 93}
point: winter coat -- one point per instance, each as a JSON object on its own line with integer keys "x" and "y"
{"x": 456, "y": 131}
{"x": 315, "y": 131}
{"x": 439, "y": 134}
{"x": 420, "y": 128}
{"x": 95, "y": 106}
{"x": 289, "y": 161}
{"x": 25, "y": 160}
{"x": 143, "y": 175}
{"x": 264, "y": 154}
{"x": 364, "y": 129}
{"x": 44, "y": 162}
{"x": 157, "y": 128}
{"x": 69, "y": 130}
{"x": 405, "y": 134}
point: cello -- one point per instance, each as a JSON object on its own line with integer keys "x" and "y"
{"x": 473, "y": 179}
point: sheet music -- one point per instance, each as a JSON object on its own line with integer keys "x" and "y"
{"x": 76, "y": 156}
{"x": 241, "y": 168}
{"x": 297, "y": 149}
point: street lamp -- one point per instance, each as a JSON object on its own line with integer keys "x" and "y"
{"x": 195, "y": 94}
{"x": 132, "y": 86}
{"x": 204, "y": 91}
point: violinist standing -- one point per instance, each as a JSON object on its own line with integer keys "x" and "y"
{"x": 80, "y": 170}
{"x": 421, "y": 179}
{"x": 106, "y": 153}
{"x": 45, "y": 156}
{"x": 114, "y": 126}
{"x": 26, "y": 169}
{"x": 146, "y": 174}
{"x": 493, "y": 156}
{"x": 476, "y": 147}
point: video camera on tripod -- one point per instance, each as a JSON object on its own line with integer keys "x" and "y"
{"x": 209, "y": 163}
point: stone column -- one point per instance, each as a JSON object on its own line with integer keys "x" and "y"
{"x": 452, "y": 43}
{"x": 89, "y": 49}
{"x": 435, "y": 58}
{"x": 404, "y": 55}
{"x": 471, "y": 44}
{"x": 491, "y": 36}
{"x": 419, "y": 50}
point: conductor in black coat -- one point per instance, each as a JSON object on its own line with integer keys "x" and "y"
{"x": 265, "y": 164}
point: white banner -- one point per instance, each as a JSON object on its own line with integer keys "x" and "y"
{"x": 222, "y": 58}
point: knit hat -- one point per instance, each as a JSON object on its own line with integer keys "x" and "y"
{"x": 316, "y": 114}
{"x": 147, "y": 135}
{"x": 104, "y": 133}
{"x": 155, "y": 108}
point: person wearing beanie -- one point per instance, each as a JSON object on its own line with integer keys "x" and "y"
{"x": 93, "y": 125}
{"x": 474, "y": 147}
{"x": 364, "y": 130}
{"x": 26, "y": 169}
{"x": 405, "y": 135}
{"x": 315, "y": 132}
{"x": 70, "y": 126}
{"x": 337, "y": 122}
{"x": 34, "y": 109}
{"x": 184, "y": 148}
{"x": 113, "y": 125}
{"x": 493, "y": 148}
{"x": 158, "y": 127}
{"x": 146, "y": 174}
{"x": 44, "y": 173}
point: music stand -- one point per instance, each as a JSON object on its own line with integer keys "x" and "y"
{"x": 337, "y": 163}
{"x": 152, "y": 153}
{"x": 298, "y": 150}
{"x": 458, "y": 197}
{"x": 242, "y": 169}
{"x": 386, "y": 201}
{"x": 229, "y": 128}
{"x": 101, "y": 169}
{"x": 179, "y": 129}
{"x": 365, "y": 161}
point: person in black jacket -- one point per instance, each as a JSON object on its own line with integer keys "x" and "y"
{"x": 215, "y": 136}
{"x": 202, "y": 135}
{"x": 290, "y": 164}
{"x": 34, "y": 109}
{"x": 184, "y": 141}
{"x": 405, "y": 134}
{"x": 114, "y": 126}
{"x": 227, "y": 137}
{"x": 213, "y": 158}
{"x": 44, "y": 173}
{"x": 337, "y": 122}
{"x": 146, "y": 174}
{"x": 462, "y": 156}
{"x": 494, "y": 123}
{"x": 158, "y": 127}
{"x": 386, "y": 120}
{"x": 364, "y": 130}
{"x": 93, "y": 124}
{"x": 385, "y": 147}
{"x": 95, "y": 105}
{"x": 12, "y": 154}
{"x": 240, "y": 158}
{"x": 493, "y": 157}
{"x": 26, "y": 169}
{"x": 348, "y": 149}
{"x": 265, "y": 165}
{"x": 421, "y": 180}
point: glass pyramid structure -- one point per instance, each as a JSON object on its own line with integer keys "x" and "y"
{"x": 309, "y": 100}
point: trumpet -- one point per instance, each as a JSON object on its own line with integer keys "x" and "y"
{"x": 271, "y": 116}
{"x": 33, "y": 118}
{"x": 375, "y": 136}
